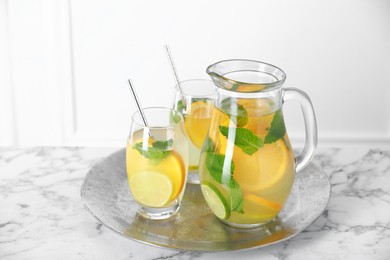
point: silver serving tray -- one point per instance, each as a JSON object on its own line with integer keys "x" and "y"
{"x": 106, "y": 195}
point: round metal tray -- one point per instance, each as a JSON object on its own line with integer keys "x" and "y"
{"x": 106, "y": 195}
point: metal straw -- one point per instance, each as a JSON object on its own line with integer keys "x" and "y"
{"x": 176, "y": 76}
{"x": 138, "y": 104}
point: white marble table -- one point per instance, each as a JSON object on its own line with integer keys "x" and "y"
{"x": 42, "y": 217}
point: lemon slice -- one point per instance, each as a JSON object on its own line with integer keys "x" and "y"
{"x": 173, "y": 167}
{"x": 197, "y": 122}
{"x": 263, "y": 169}
{"x": 262, "y": 201}
{"x": 216, "y": 201}
{"x": 219, "y": 141}
{"x": 260, "y": 209}
{"x": 260, "y": 116}
{"x": 250, "y": 88}
{"x": 151, "y": 188}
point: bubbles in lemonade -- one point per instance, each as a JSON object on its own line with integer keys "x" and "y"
{"x": 247, "y": 165}
{"x": 155, "y": 168}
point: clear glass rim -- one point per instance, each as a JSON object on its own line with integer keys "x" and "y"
{"x": 146, "y": 109}
{"x": 212, "y": 71}
{"x": 209, "y": 96}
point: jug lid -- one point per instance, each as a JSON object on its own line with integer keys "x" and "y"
{"x": 246, "y": 76}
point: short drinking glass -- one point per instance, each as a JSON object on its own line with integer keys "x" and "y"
{"x": 157, "y": 162}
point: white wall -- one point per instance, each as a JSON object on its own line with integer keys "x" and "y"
{"x": 64, "y": 64}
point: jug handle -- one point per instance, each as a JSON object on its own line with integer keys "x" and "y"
{"x": 311, "y": 140}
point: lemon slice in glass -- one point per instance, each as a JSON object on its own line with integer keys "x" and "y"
{"x": 260, "y": 201}
{"x": 263, "y": 169}
{"x": 151, "y": 188}
{"x": 197, "y": 122}
{"x": 216, "y": 201}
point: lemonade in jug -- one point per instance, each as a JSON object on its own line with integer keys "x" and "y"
{"x": 247, "y": 165}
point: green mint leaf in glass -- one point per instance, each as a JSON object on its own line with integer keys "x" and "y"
{"x": 236, "y": 196}
{"x": 152, "y": 153}
{"x": 175, "y": 117}
{"x": 199, "y": 99}
{"x": 243, "y": 138}
{"x": 277, "y": 129}
{"x": 236, "y": 112}
{"x": 242, "y": 116}
{"x": 234, "y": 86}
{"x": 208, "y": 145}
{"x": 180, "y": 106}
{"x": 215, "y": 164}
{"x": 163, "y": 145}
{"x": 223, "y": 174}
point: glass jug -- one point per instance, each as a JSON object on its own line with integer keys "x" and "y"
{"x": 247, "y": 165}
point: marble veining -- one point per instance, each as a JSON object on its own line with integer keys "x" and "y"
{"x": 42, "y": 217}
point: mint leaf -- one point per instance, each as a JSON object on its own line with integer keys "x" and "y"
{"x": 204, "y": 100}
{"x": 174, "y": 117}
{"x": 234, "y": 86}
{"x": 180, "y": 106}
{"x": 243, "y": 138}
{"x": 236, "y": 196}
{"x": 236, "y": 112}
{"x": 215, "y": 164}
{"x": 242, "y": 116}
{"x": 208, "y": 145}
{"x": 163, "y": 145}
{"x": 158, "y": 151}
{"x": 277, "y": 129}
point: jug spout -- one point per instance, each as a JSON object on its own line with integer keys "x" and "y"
{"x": 246, "y": 75}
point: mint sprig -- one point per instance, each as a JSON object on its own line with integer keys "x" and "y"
{"x": 163, "y": 145}
{"x": 208, "y": 145}
{"x": 215, "y": 163}
{"x": 158, "y": 150}
{"x": 277, "y": 129}
{"x": 243, "y": 138}
{"x": 236, "y": 196}
{"x": 234, "y": 86}
{"x": 174, "y": 117}
{"x": 235, "y": 111}
{"x": 222, "y": 172}
{"x": 180, "y": 106}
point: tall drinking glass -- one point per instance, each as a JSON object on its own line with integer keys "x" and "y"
{"x": 157, "y": 162}
{"x": 197, "y": 109}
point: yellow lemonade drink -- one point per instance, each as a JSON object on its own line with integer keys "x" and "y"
{"x": 195, "y": 102}
{"x": 155, "y": 168}
{"x": 247, "y": 164}
{"x": 197, "y": 122}
{"x": 197, "y": 119}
